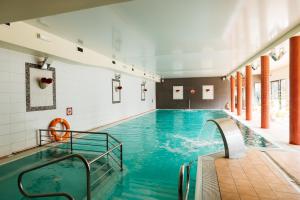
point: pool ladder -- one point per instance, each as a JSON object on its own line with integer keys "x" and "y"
{"x": 183, "y": 195}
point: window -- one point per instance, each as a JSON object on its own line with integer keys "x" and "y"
{"x": 279, "y": 94}
{"x": 257, "y": 93}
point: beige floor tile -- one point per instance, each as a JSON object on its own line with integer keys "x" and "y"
{"x": 249, "y": 191}
{"x": 265, "y": 193}
{"x": 230, "y": 196}
{"x": 248, "y": 197}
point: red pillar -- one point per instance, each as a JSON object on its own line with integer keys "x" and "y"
{"x": 232, "y": 86}
{"x": 265, "y": 92}
{"x": 295, "y": 90}
{"x": 239, "y": 82}
{"x": 248, "y": 92}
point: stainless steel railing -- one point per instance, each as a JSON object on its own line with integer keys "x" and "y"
{"x": 78, "y": 142}
{"x": 183, "y": 194}
{"x": 56, "y": 194}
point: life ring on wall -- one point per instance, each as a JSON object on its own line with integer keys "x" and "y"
{"x": 53, "y": 133}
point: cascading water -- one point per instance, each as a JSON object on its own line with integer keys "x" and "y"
{"x": 209, "y": 136}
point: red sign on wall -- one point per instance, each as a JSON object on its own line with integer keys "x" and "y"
{"x": 69, "y": 111}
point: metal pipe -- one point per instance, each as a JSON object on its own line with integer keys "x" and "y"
{"x": 181, "y": 194}
{"x": 71, "y": 141}
{"x": 121, "y": 156}
{"x": 102, "y": 155}
{"x": 40, "y": 136}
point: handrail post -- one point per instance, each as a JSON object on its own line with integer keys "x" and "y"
{"x": 121, "y": 156}
{"x": 40, "y": 137}
{"x": 106, "y": 142}
{"x": 71, "y": 141}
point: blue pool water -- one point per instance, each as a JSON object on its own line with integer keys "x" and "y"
{"x": 154, "y": 147}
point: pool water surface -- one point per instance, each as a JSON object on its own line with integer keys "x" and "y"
{"x": 154, "y": 147}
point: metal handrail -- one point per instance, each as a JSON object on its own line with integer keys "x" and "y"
{"x": 181, "y": 194}
{"x": 71, "y": 138}
{"x": 56, "y": 194}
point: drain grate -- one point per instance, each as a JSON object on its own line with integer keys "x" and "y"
{"x": 207, "y": 187}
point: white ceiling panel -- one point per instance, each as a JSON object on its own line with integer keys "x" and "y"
{"x": 178, "y": 38}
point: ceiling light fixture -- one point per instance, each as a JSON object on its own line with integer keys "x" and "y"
{"x": 277, "y": 54}
{"x": 255, "y": 65}
{"x": 43, "y": 37}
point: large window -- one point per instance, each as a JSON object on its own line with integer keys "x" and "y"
{"x": 279, "y": 94}
{"x": 257, "y": 94}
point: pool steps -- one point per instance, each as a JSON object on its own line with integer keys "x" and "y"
{"x": 98, "y": 163}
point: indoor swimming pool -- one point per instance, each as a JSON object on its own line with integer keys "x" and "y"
{"x": 154, "y": 147}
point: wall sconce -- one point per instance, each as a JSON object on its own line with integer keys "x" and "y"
{"x": 117, "y": 76}
{"x": 45, "y": 82}
{"x": 44, "y": 62}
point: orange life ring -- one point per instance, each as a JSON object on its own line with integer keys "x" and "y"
{"x": 54, "y": 134}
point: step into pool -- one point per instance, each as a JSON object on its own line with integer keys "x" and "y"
{"x": 154, "y": 147}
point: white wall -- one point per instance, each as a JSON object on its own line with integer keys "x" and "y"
{"x": 86, "y": 89}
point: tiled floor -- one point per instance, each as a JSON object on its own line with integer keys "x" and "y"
{"x": 253, "y": 177}
{"x": 288, "y": 161}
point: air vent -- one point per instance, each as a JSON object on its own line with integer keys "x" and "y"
{"x": 113, "y": 62}
{"x": 80, "y": 49}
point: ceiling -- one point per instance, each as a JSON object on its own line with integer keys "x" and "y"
{"x": 178, "y": 38}
{"x": 16, "y": 10}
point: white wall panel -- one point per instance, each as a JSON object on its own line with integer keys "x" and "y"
{"x": 86, "y": 89}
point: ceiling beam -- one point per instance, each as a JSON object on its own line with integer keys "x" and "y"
{"x": 16, "y": 10}
{"x": 272, "y": 44}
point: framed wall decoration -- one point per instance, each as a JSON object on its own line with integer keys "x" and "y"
{"x": 116, "y": 91}
{"x": 178, "y": 92}
{"x": 143, "y": 92}
{"x": 40, "y": 88}
{"x": 208, "y": 92}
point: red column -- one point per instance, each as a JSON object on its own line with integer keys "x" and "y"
{"x": 248, "y": 92}
{"x": 232, "y": 86}
{"x": 295, "y": 90}
{"x": 239, "y": 82}
{"x": 265, "y": 92}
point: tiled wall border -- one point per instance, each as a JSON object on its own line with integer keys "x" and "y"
{"x": 29, "y": 108}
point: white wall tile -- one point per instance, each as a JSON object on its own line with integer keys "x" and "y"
{"x": 4, "y": 119}
{"x": 4, "y": 129}
{"x": 86, "y": 89}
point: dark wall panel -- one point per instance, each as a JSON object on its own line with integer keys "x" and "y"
{"x": 164, "y": 93}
